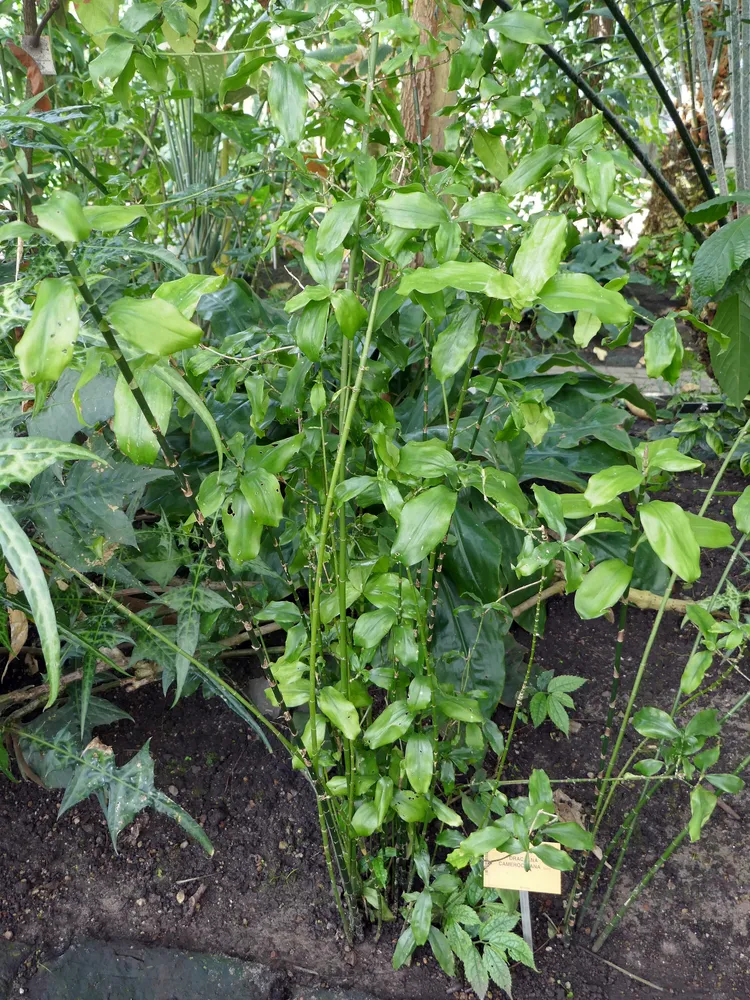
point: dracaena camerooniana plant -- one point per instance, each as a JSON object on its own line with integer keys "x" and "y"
{"x": 349, "y": 467}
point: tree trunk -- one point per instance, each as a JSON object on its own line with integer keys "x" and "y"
{"x": 425, "y": 87}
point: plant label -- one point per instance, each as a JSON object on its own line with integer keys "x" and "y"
{"x": 41, "y": 54}
{"x": 508, "y": 871}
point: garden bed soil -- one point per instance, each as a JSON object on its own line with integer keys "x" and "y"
{"x": 264, "y": 895}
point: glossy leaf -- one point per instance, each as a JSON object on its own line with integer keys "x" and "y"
{"x": 61, "y": 215}
{"x": 419, "y": 762}
{"x": 134, "y": 435}
{"x": 487, "y": 210}
{"x": 663, "y": 350}
{"x": 570, "y": 291}
{"x": 185, "y": 293}
{"x": 425, "y": 459}
{"x": 455, "y": 343}
{"x": 540, "y": 253}
{"x": 741, "y": 512}
{"x": 336, "y": 224}
{"x": 310, "y": 331}
{"x": 46, "y": 348}
{"x": 708, "y": 533}
{"x": 531, "y": 168}
{"x": 655, "y": 723}
{"x": 421, "y": 917}
{"x": 153, "y": 325}
{"x": 392, "y": 723}
{"x": 702, "y": 805}
{"x": 350, "y": 314}
{"x": 604, "y": 486}
{"x": 602, "y": 587}
{"x": 340, "y": 711}
{"x": 668, "y": 530}
{"x": 373, "y": 626}
{"x": 424, "y": 521}
{"x": 413, "y": 210}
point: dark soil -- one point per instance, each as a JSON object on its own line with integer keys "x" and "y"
{"x": 266, "y": 893}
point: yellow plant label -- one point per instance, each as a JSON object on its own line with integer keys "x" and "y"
{"x": 508, "y": 871}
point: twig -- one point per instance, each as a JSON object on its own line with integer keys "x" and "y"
{"x": 619, "y": 968}
{"x": 36, "y": 37}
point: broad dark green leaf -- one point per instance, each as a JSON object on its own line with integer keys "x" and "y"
{"x": 724, "y": 252}
{"x": 732, "y": 365}
{"x": 336, "y": 224}
{"x": 455, "y": 343}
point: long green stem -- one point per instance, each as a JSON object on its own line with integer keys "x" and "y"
{"x": 648, "y": 877}
{"x": 326, "y": 519}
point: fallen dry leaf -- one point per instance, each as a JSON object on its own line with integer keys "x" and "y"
{"x": 568, "y": 809}
{"x": 19, "y": 631}
{"x": 12, "y": 585}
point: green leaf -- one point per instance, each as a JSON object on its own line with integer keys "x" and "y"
{"x": 663, "y": 350}
{"x": 695, "y": 670}
{"x": 340, "y": 711}
{"x": 336, "y": 225}
{"x": 557, "y": 714}
{"x": 540, "y": 253}
{"x": 262, "y": 492}
{"x": 724, "y": 252}
{"x": 425, "y": 459}
{"x": 185, "y": 293}
{"x": 550, "y": 509}
{"x": 22, "y": 560}
{"x": 112, "y": 218}
{"x": 604, "y": 486}
{"x": 520, "y": 26}
{"x": 490, "y": 150}
{"x": 455, "y": 343}
{"x": 424, "y": 521}
{"x": 538, "y": 708}
{"x": 565, "y": 683}
{"x": 570, "y": 291}
{"x": 655, "y": 723}
{"x": 442, "y": 951}
{"x": 185, "y": 391}
{"x": 17, "y": 231}
{"x": 134, "y": 436}
{"x": 531, "y": 168}
{"x": 558, "y": 860}
{"x": 732, "y": 365}
{"x": 600, "y": 174}
{"x": 287, "y": 100}
{"x": 62, "y": 217}
{"x": 468, "y": 277}
{"x": 741, "y": 512}
{"x": 487, "y": 210}
{"x": 110, "y": 63}
{"x": 716, "y": 208}
{"x": 570, "y": 835}
{"x": 419, "y": 763}
{"x": 23, "y": 458}
{"x": 493, "y": 959}
{"x": 390, "y": 725}
{"x": 373, "y": 626}
{"x": 668, "y": 530}
{"x": 46, "y": 348}
{"x": 602, "y": 587}
{"x": 153, "y": 326}
{"x": 702, "y": 805}
{"x": 478, "y": 843}
{"x": 421, "y": 917}
{"x": 475, "y": 971}
{"x": 710, "y": 534}
{"x": 413, "y": 210}
{"x": 349, "y": 312}
{"x": 404, "y": 947}
{"x": 584, "y": 133}
{"x": 310, "y": 331}
{"x": 459, "y": 707}
{"x": 728, "y": 783}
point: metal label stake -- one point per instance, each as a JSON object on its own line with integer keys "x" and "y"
{"x": 523, "y": 898}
